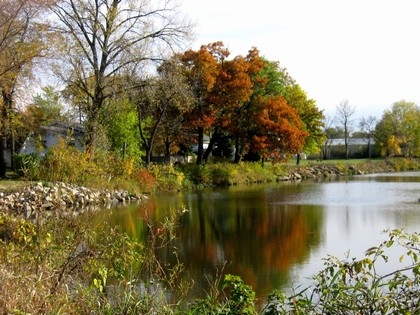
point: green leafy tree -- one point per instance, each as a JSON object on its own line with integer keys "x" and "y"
{"x": 121, "y": 124}
{"x": 46, "y": 107}
{"x": 310, "y": 115}
{"x": 398, "y": 131}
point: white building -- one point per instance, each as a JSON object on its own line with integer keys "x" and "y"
{"x": 49, "y": 136}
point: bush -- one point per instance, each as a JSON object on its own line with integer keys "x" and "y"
{"x": 27, "y": 165}
{"x": 233, "y": 297}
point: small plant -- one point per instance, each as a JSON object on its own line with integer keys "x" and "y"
{"x": 228, "y": 297}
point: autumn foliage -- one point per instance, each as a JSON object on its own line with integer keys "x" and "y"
{"x": 234, "y": 99}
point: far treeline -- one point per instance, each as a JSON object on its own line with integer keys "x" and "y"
{"x": 123, "y": 71}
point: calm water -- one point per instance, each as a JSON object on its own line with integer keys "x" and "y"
{"x": 275, "y": 236}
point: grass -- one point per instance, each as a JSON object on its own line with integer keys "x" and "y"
{"x": 12, "y": 182}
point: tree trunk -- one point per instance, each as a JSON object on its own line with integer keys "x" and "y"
{"x": 3, "y": 166}
{"x": 200, "y": 146}
{"x": 237, "y": 151}
{"x": 167, "y": 147}
{"x": 7, "y": 96}
{"x": 148, "y": 155}
{"x": 213, "y": 140}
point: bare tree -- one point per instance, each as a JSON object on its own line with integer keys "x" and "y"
{"x": 327, "y": 126}
{"x": 368, "y": 125}
{"x": 104, "y": 38}
{"x": 344, "y": 117}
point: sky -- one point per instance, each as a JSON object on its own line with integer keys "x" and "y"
{"x": 365, "y": 52}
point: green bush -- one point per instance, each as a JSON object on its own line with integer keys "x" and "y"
{"x": 233, "y": 297}
{"x": 27, "y": 165}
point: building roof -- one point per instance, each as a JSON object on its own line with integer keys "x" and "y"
{"x": 351, "y": 141}
{"x": 64, "y": 128}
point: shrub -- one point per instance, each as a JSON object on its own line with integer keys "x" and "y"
{"x": 167, "y": 176}
{"x": 232, "y": 297}
{"x": 27, "y": 165}
{"x": 145, "y": 180}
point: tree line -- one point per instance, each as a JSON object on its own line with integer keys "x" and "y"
{"x": 123, "y": 70}
{"x": 115, "y": 71}
{"x": 395, "y": 133}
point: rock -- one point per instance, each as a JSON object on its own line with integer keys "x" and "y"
{"x": 60, "y": 196}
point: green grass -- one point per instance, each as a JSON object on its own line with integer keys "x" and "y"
{"x": 12, "y": 182}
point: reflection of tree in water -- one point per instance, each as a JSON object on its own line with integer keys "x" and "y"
{"x": 257, "y": 238}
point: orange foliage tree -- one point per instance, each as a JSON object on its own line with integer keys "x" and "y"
{"x": 240, "y": 99}
{"x": 277, "y": 130}
{"x": 230, "y": 95}
{"x": 266, "y": 126}
{"x": 202, "y": 68}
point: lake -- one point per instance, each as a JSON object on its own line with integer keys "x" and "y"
{"x": 274, "y": 236}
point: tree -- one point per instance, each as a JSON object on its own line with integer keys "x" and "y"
{"x": 367, "y": 126}
{"x": 160, "y": 101}
{"x": 398, "y": 131}
{"x": 230, "y": 96}
{"x": 277, "y": 130}
{"x": 22, "y": 41}
{"x": 275, "y": 127}
{"x": 45, "y": 108}
{"x": 344, "y": 117}
{"x": 103, "y": 38}
{"x": 202, "y": 68}
{"x": 310, "y": 115}
{"x": 121, "y": 123}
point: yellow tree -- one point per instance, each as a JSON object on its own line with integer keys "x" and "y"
{"x": 398, "y": 131}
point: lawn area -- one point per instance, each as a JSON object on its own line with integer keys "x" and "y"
{"x": 12, "y": 182}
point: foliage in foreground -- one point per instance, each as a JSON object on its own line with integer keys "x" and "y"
{"x": 66, "y": 266}
{"x": 70, "y": 266}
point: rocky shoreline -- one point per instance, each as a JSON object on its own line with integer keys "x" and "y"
{"x": 320, "y": 171}
{"x": 68, "y": 198}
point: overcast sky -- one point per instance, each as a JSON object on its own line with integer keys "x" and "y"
{"x": 364, "y": 51}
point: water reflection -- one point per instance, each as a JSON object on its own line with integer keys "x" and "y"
{"x": 255, "y": 236}
{"x": 276, "y": 235}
